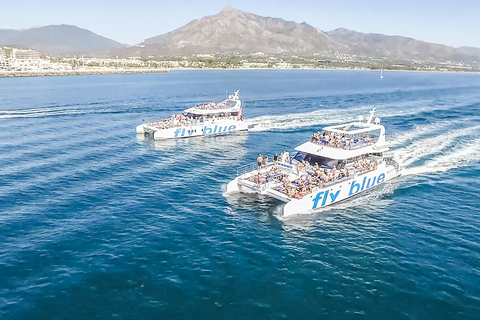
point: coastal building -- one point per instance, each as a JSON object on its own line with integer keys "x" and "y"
{"x": 4, "y": 62}
{"x": 25, "y": 54}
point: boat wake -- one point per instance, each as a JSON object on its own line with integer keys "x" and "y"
{"x": 51, "y": 112}
{"x": 294, "y": 120}
{"x": 324, "y": 117}
{"x": 447, "y": 149}
{"x": 459, "y": 156}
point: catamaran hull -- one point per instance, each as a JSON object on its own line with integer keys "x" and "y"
{"x": 140, "y": 129}
{"x": 320, "y": 197}
{"x": 339, "y": 192}
{"x": 217, "y": 128}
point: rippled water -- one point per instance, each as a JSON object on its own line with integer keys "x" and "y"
{"x": 98, "y": 223}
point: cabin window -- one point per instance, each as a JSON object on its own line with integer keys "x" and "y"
{"x": 300, "y": 156}
{"x": 311, "y": 159}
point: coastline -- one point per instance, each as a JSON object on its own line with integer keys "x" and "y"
{"x": 104, "y": 71}
{"x": 96, "y": 71}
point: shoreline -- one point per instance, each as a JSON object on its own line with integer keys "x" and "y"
{"x": 48, "y": 73}
{"x": 101, "y": 71}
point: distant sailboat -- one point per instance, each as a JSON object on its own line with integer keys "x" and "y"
{"x": 381, "y": 73}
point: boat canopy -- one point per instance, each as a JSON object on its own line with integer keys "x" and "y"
{"x": 334, "y": 153}
{"x": 354, "y": 129}
{"x": 349, "y": 140}
{"x": 231, "y": 105}
{"x": 227, "y": 106}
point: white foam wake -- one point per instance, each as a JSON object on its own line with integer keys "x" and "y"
{"x": 332, "y": 116}
{"x": 33, "y": 113}
{"x": 459, "y": 156}
{"x": 47, "y": 112}
{"x": 306, "y": 119}
{"x": 452, "y": 148}
{"x": 420, "y": 131}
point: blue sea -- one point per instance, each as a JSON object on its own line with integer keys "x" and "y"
{"x": 98, "y": 223}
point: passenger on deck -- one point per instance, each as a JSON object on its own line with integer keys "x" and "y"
{"x": 335, "y": 142}
{"x": 266, "y": 162}
{"x": 300, "y": 182}
{"x": 290, "y": 191}
{"x": 286, "y": 157}
{"x": 299, "y": 168}
{"x": 304, "y": 166}
{"x": 259, "y": 162}
{"x": 275, "y": 158}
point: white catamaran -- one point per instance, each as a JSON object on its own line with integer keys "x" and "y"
{"x": 203, "y": 119}
{"x": 336, "y": 163}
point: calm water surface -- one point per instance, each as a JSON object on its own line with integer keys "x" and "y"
{"x": 96, "y": 222}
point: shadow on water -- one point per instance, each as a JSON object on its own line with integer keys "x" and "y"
{"x": 263, "y": 207}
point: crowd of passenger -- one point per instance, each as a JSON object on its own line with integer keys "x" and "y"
{"x": 176, "y": 120}
{"x": 366, "y": 164}
{"x": 214, "y": 105}
{"x": 284, "y": 157}
{"x": 335, "y": 140}
{"x": 273, "y": 174}
{"x": 309, "y": 177}
{"x": 183, "y": 120}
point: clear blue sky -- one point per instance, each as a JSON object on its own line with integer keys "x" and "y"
{"x": 453, "y": 22}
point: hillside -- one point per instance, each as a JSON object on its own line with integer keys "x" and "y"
{"x": 395, "y": 47}
{"x": 58, "y": 39}
{"x": 235, "y": 31}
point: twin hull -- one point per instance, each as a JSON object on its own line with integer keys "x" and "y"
{"x": 320, "y": 197}
{"x": 219, "y": 127}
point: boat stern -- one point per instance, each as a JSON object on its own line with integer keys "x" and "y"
{"x": 297, "y": 207}
{"x": 140, "y": 129}
{"x": 232, "y": 187}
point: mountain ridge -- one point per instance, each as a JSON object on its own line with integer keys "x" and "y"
{"x": 216, "y": 34}
{"x": 58, "y": 39}
{"x": 233, "y": 31}
{"x": 219, "y": 34}
{"x": 378, "y": 45}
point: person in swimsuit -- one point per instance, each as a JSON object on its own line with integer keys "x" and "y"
{"x": 259, "y": 162}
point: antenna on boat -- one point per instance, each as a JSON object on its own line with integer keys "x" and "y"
{"x": 372, "y": 112}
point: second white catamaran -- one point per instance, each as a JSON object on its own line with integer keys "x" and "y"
{"x": 336, "y": 163}
{"x": 204, "y": 119}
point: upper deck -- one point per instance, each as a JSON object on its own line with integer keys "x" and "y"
{"x": 347, "y": 140}
{"x": 230, "y": 105}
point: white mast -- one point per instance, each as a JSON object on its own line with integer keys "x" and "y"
{"x": 372, "y": 112}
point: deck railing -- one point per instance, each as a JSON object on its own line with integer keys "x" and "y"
{"x": 246, "y": 168}
{"x": 253, "y": 166}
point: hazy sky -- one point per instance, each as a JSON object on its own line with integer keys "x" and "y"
{"x": 453, "y": 22}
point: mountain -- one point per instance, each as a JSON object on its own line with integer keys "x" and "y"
{"x": 396, "y": 47}
{"x": 58, "y": 39}
{"x": 473, "y": 51}
{"x": 235, "y": 31}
